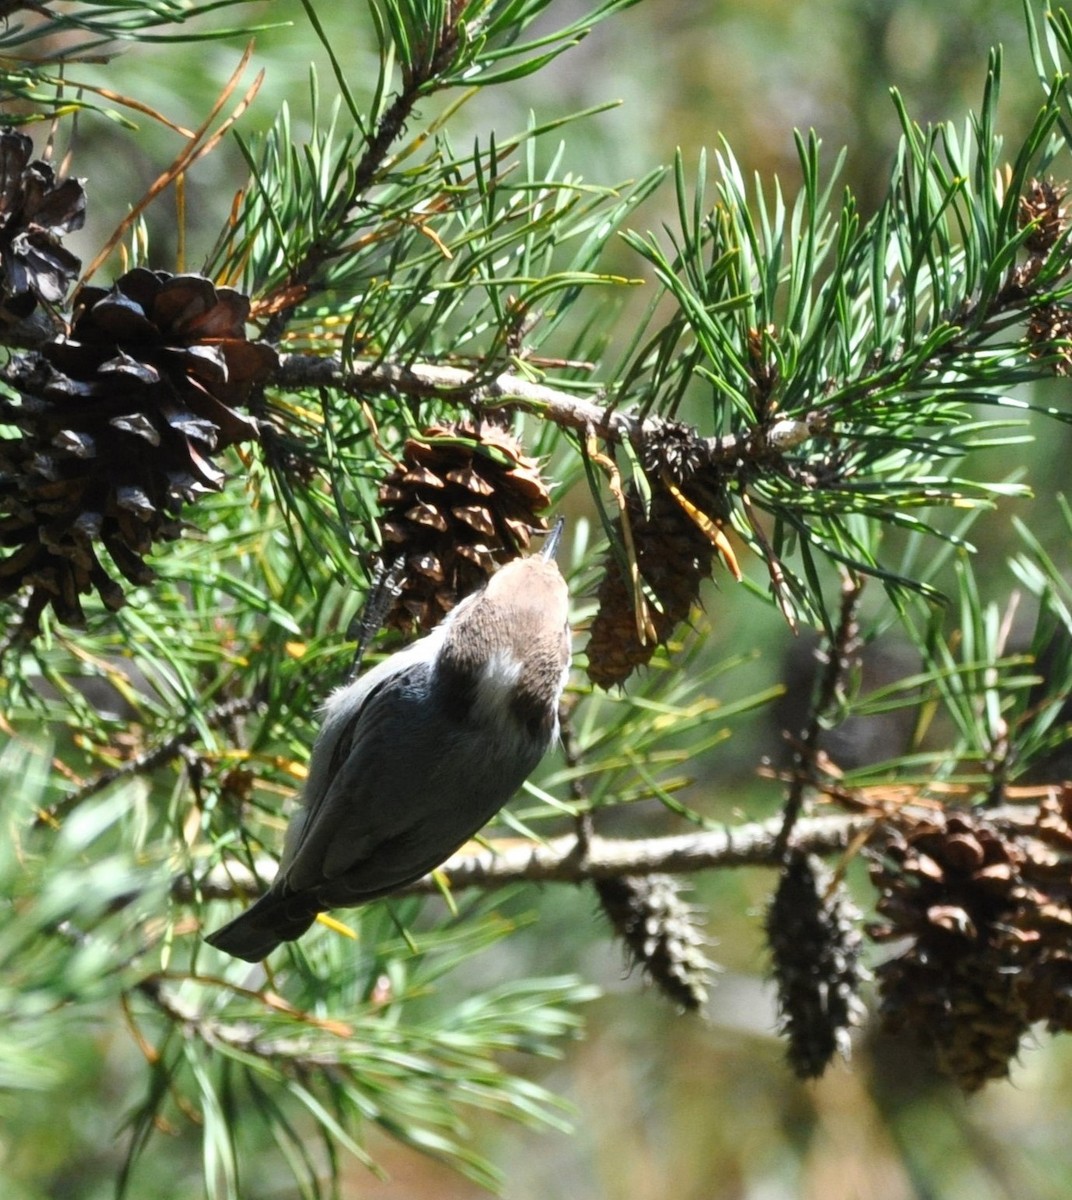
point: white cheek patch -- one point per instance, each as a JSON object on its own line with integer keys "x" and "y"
{"x": 497, "y": 680}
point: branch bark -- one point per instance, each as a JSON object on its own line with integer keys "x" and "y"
{"x": 571, "y": 860}
{"x": 427, "y": 380}
{"x": 293, "y": 1054}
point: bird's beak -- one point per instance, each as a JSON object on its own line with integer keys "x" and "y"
{"x": 550, "y": 547}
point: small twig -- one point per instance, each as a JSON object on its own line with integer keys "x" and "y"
{"x": 365, "y": 171}
{"x": 779, "y": 589}
{"x": 840, "y": 656}
{"x": 165, "y": 752}
{"x": 297, "y": 1053}
{"x": 571, "y": 752}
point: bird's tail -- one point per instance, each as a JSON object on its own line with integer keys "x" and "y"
{"x": 276, "y": 917}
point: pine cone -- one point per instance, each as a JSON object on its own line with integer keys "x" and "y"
{"x": 952, "y": 883}
{"x": 1049, "y": 326}
{"x": 118, "y": 425}
{"x": 815, "y": 946}
{"x": 464, "y": 498}
{"x": 660, "y": 933}
{"x": 36, "y": 211}
{"x": 1044, "y": 206}
{"x": 990, "y": 912}
{"x": 673, "y": 556}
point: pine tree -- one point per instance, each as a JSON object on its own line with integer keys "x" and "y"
{"x": 394, "y": 363}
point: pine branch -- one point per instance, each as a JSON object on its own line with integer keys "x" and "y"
{"x": 299, "y": 1055}
{"x": 576, "y": 860}
{"x": 157, "y": 756}
{"x": 389, "y": 128}
{"x": 430, "y": 381}
{"x": 840, "y": 656}
{"x": 570, "y": 859}
{"x": 373, "y": 1066}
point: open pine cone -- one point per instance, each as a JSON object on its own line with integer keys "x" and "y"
{"x": 464, "y": 497}
{"x": 988, "y": 911}
{"x": 953, "y": 884}
{"x": 1044, "y": 920}
{"x": 118, "y": 425}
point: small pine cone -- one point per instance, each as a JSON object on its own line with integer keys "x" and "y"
{"x": 816, "y": 948}
{"x": 117, "y": 427}
{"x": 1049, "y": 327}
{"x": 1043, "y": 206}
{"x": 660, "y": 933}
{"x": 673, "y": 555}
{"x": 952, "y": 884}
{"x": 36, "y": 211}
{"x": 464, "y": 498}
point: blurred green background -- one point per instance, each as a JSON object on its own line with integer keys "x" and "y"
{"x": 665, "y": 1106}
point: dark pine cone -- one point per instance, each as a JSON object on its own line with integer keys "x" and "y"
{"x": 816, "y": 946}
{"x": 36, "y": 211}
{"x": 118, "y": 424}
{"x": 674, "y": 554}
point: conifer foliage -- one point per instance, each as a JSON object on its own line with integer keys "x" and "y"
{"x": 392, "y": 363}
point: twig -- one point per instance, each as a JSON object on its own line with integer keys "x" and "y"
{"x": 774, "y": 566}
{"x": 368, "y": 166}
{"x": 165, "y": 752}
{"x": 298, "y": 1053}
{"x": 571, "y": 751}
{"x": 840, "y": 656}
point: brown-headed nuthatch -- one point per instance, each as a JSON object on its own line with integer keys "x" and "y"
{"x": 416, "y": 755}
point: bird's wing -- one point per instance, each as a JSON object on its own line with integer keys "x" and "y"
{"x": 372, "y": 786}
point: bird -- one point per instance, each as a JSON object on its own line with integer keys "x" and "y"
{"x": 419, "y": 753}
